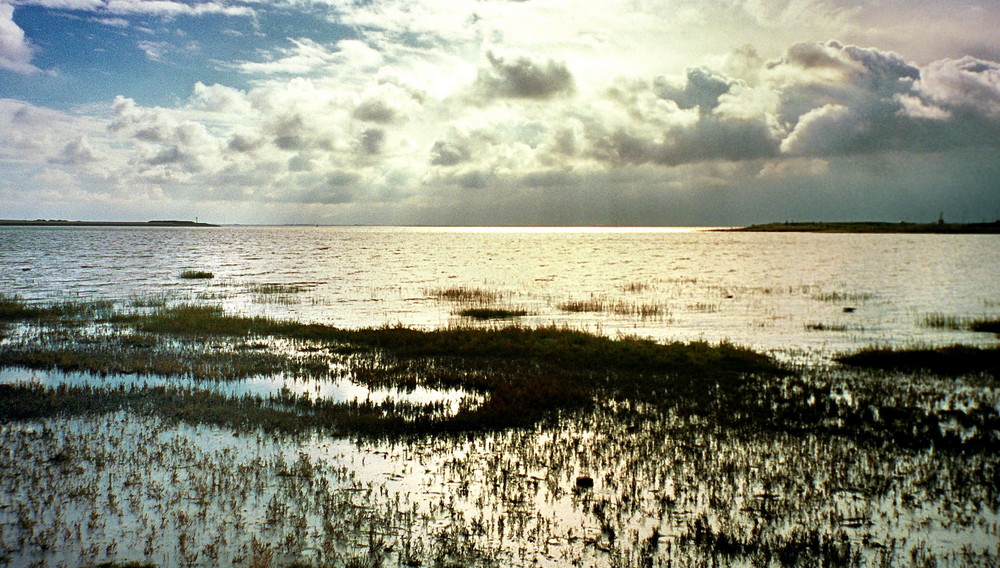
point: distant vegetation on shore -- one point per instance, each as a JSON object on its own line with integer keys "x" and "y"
{"x": 65, "y": 223}
{"x": 875, "y": 227}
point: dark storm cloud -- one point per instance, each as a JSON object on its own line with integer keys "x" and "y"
{"x": 709, "y": 139}
{"x": 524, "y": 78}
{"x": 865, "y": 100}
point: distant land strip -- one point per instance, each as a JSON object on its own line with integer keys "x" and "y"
{"x": 871, "y": 227}
{"x": 62, "y": 223}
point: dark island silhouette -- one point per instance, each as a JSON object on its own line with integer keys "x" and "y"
{"x": 64, "y": 223}
{"x": 939, "y": 227}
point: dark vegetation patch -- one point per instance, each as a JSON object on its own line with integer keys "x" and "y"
{"x": 985, "y": 325}
{"x": 197, "y": 275}
{"x": 492, "y": 313}
{"x": 875, "y": 227}
{"x": 15, "y": 308}
{"x": 951, "y": 360}
{"x": 521, "y": 376}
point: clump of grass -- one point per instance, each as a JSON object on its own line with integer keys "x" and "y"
{"x": 618, "y": 307}
{"x": 274, "y": 288}
{"x": 466, "y": 294}
{"x": 580, "y": 306}
{"x": 15, "y": 308}
{"x": 492, "y": 313}
{"x": 951, "y": 360}
{"x": 149, "y": 301}
{"x": 197, "y": 275}
{"x": 939, "y": 320}
{"x": 985, "y": 325}
{"x": 825, "y": 327}
{"x": 636, "y": 287}
{"x": 837, "y": 297}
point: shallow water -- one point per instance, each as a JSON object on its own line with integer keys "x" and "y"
{"x": 666, "y": 490}
{"x": 771, "y": 291}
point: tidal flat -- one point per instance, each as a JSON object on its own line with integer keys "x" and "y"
{"x": 165, "y": 433}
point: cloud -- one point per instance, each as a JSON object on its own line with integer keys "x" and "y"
{"x": 521, "y": 77}
{"x": 77, "y": 151}
{"x": 386, "y": 103}
{"x": 702, "y": 88}
{"x": 968, "y": 84}
{"x": 160, "y": 8}
{"x": 15, "y": 50}
{"x": 306, "y": 57}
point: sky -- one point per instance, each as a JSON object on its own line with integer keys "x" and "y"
{"x": 500, "y": 112}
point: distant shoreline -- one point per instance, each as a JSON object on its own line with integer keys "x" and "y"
{"x": 875, "y": 227}
{"x": 63, "y": 223}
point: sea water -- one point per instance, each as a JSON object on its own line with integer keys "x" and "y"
{"x": 802, "y": 295}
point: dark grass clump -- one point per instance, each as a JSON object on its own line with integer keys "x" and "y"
{"x": 986, "y": 325}
{"x": 576, "y": 349}
{"x": 15, "y": 308}
{"x": 491, "y": 313}
{"x": 197, "y": 275}
{"x": 951, "y": 360}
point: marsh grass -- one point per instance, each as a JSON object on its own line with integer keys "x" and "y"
{"x": 197, "y": 275}
{"x": 839, "y": 297}
{"x": 699, "y": 454}
{"x": 819, "y": 326}
{"x": 524, "y": 373}
{"x": 938, "y": 320}
{"x": 619, "y": 307}
{"x": 985, "y": 325}
{"x": 467, "y": 294}
{"x": 275, "y": 288}
{"x": 950, "y": 360}
{"x": 492, "y": 313}
{"x": 636, "y": 287}
{"x": 14, "y": 308}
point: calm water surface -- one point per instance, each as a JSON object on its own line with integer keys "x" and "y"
{"x": 778, "y": 292}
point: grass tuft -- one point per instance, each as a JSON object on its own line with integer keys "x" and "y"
{"x": 985, "y": 325}
{"x": 492, "y": 313}
{"x": 196, "y": 275}
{"x": 466, "y": 294}
{"x": 951, "y": 360}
